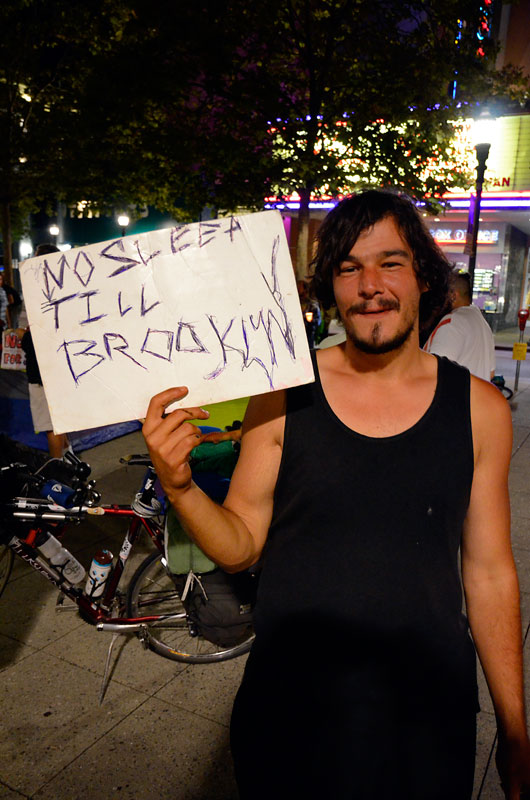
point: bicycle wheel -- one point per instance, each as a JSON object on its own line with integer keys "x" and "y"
{"x": 6, "y": 563}
{"x": 152, "y": 591}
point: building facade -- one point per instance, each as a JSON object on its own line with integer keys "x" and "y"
{"x": 502, "y": 279}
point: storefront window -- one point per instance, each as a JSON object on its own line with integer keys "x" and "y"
{"x": 489, "y": 284}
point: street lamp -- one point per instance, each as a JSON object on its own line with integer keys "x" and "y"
{"x": 483, "y": 129}
{"x": 25, "y": 248}
{"x": 123, "y": 221}
{"x": 54, "y": 231}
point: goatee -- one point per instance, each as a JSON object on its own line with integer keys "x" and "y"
{"x": 374, "y": 346}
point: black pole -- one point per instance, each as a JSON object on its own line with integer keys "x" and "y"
{"x": 482, "y": 151}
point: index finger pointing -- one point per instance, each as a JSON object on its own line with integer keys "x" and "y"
{"x": 160, "y": 401}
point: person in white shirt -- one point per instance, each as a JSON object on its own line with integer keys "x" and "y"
{"x": 463, "y": 335}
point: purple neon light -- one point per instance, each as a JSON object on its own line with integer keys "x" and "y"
{"x": 293, "y": 206}
{"x": 495, "y": 204}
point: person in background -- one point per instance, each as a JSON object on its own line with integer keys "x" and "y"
{"x": 311, "y": 313}
{"x": 336, "y": 334}
{"x": 5, "y": 318}
{"x": 14, "y": 302}
{"x": 58, "y": 443}
{"x": 463, "y": 335}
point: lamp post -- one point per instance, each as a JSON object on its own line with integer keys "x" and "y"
{"x": 483, "y": 129}
{"x": 54, "y": 231}
{"x": 123, "y": 221}
{"x": 25, "y": 249}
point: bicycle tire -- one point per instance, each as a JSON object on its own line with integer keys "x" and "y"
{"x": 6, "y": 565}
{"x": 152, "y": 591}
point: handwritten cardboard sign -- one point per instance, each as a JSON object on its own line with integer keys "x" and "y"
{"x": 212, "y": 306}
{"x": 13, "y": 356}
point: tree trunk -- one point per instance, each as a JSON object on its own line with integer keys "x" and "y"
{"x": 303, "y": 235}
{"x": 7, "y": 242}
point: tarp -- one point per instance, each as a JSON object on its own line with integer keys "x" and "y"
{"x": 17, "y": 424}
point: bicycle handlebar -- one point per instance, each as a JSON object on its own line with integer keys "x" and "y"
{"x": 28, "y": 509}
{"x": 54, "y": 499}
{"x": 38, "y": 495}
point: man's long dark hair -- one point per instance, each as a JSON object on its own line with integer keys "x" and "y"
{"x": 353, "y": 215}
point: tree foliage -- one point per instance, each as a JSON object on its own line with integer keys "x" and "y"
{"x": 320, "y": 96}
{"x": 186, "y": 105}
{"x": 358, "y": 93}
{"x": 46, "y": 53}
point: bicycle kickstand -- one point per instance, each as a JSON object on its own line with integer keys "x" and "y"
{"x": 106, "y": 674}
{"x": 60, "y": 606}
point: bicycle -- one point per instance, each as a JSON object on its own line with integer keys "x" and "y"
{"x": 499, "y": 382}
{"x": 6, "y": 565}
{"x": 151, "y": 606}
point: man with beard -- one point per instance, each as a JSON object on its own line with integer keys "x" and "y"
{"x": 361, "y": 494}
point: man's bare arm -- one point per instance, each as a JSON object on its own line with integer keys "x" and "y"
{"x": 232, "y": 535}
{"x": 491, "y": 585}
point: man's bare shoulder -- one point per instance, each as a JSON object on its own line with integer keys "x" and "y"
{"x": 487, "y": 399}
{"x": 491, "y": 417}
{"x": 265, "y": 416}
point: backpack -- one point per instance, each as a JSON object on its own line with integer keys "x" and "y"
{"x": 219, "y": 604}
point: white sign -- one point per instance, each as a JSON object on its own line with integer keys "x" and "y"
{"x": 13, "y": 356}
{"x": 458, "y": 236}
{"x": 212, "y": 306}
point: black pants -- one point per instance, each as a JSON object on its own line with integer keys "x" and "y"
{"x": 298, "y": 747}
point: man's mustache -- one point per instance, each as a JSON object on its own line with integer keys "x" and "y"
{"x": 381, "y": 305}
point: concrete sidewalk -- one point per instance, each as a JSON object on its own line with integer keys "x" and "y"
{"x": 486, "y": 779}
{"x": 162, "y": 730}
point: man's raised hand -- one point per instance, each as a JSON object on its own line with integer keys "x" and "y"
{"x": 170, "y": 438}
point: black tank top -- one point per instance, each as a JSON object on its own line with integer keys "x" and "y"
{"x": 361, "y": 563}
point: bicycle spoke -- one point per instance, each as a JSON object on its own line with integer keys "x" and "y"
{"x": 152, "y": 592}
{"x": 151, "y": 598}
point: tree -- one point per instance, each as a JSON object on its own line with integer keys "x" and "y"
{"x": 183, "y": 106}
{"x": 119, "y": 104}
{"x": 205, "y": 130}
{"x": 45, "y": 58}
{"x": 100, "y": 102}
{"x": 348, "y": 93}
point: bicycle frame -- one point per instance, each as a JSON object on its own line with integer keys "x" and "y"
{"x": 169, "y": 630}
{"x": 96, "y": 612}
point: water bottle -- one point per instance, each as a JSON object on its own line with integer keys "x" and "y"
{"x": 58, "y": 493}
{"x": 98, "y": 573}
{"x": 60, "y": 558}
{"x": 146, "y": 503}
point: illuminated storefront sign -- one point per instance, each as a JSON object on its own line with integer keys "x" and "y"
{"x": 494, "y": 201}
{"x": 458, "y": 236}
{"x": 507, "y": 183}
